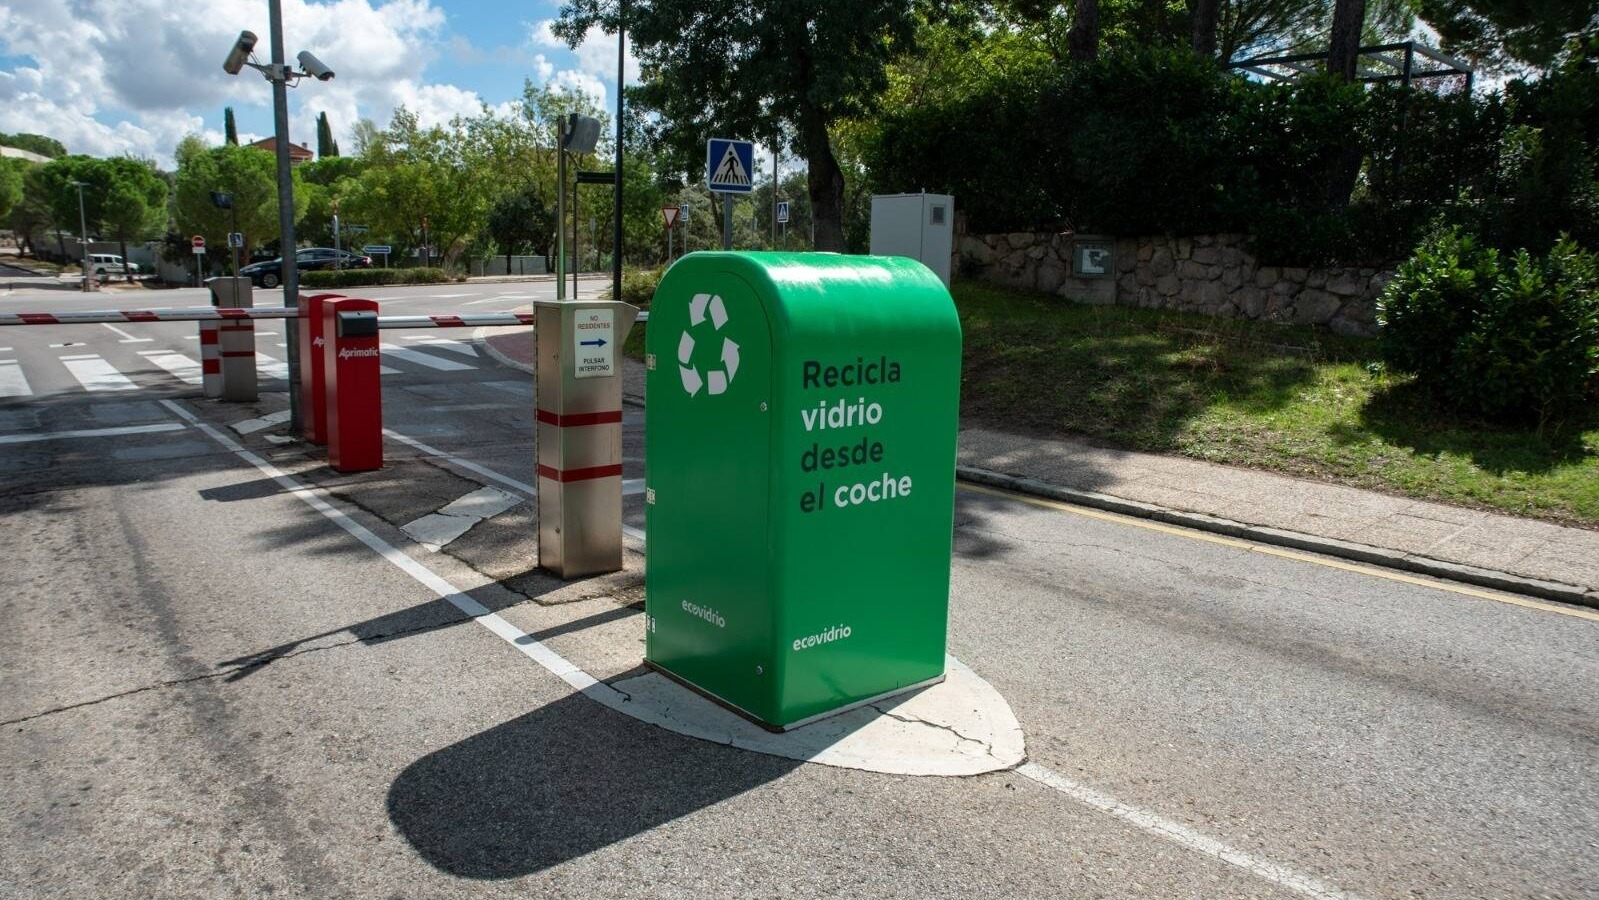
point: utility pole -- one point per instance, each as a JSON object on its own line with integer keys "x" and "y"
{"x": 338, "y": 257}
{"x": 621, "y": 73}
{"x": 290, "y": 269}
{"x": 83, "y": 235}
{"x": 774, "y": 191}
{"x": 560, "y": 207}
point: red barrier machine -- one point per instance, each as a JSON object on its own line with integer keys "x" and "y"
{"x": 354, "y": 402}
{"x": 313, "y": 362}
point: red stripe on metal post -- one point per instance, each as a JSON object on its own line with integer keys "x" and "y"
{"x": 38, "y": 319}
{"x": 574, "y": 420}
{"x": 210, "y": 362}
{"x": 567, "y": 476}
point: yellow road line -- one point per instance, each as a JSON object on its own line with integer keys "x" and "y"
{"x": 1061, "y": 506}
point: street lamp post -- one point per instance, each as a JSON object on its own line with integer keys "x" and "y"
{"x": 621, "y": 73}
{"x": 83, "y": 234}
{"x": 280, "y": 75}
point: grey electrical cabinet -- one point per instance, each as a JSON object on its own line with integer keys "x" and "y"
{"x": 920, "y": 226}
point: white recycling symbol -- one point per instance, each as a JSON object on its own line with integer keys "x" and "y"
{"x": 714, "y": 381}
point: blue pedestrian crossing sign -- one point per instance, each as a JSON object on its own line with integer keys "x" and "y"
{"x": 782, "y": 212}
{"x": 730, "y": 165}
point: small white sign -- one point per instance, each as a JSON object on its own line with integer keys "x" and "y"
{"x": 594, "y": 343}
{"x": 199, "y": 249}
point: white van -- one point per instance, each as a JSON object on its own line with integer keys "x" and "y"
{"x": 103, "y": 264}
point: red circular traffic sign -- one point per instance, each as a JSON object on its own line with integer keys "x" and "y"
{"x": 197, "y": 241}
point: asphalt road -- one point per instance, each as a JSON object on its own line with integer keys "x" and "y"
{"x": 208, "y": 688}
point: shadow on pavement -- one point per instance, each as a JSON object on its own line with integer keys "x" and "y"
{"x": 411, "y": 621}
{"x": 557, "y": 784}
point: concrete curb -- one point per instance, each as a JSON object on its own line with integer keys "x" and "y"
{"x": 482, "y": 341}
{"x": 1365, "y": 553}
{"x": 1391, "y": 559}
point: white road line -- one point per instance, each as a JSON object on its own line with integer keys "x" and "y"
{"x": 181, "y": 367}
{"x": 80, "y": 356}
{"x": 424, "y": 359}
{"x": 498, "y": 299}
{"x": 12, "y": 382}
{"x": 529, "y": 646}
{"x": 1141, "y": 818}
{"x": 95, "y": 374}
{"x": 449, "y": 296}
{"x": 271, "y": 367}
{"x": 631, "y": 486}
{"x": 126, "y": 338}
{"x": 5, "y": 349}
{"x": 527, "y": 490}
{"x": 1177, "y": 833}
{"x": 91, "y": 433}
{"x": 385, "y": 370}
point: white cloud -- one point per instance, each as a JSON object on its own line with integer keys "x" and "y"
{"x": 150, "y": 65}
{"x": 596, "y": 61}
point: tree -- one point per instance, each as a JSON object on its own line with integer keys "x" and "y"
{"x": 34, "y": 143}
{"x": 326, "y": 146}
{"x": 10, "y": 185}
{"x": 1206, "y": 15}
{"x": 248, "y": 173}
{"x": 135, "y": 203}
{"x": 521, "y": 218}
{"x": 1082, "y": 41}
{"x": 730, "y": 68}
{"x": 415, "y": 173}
{"x": 1348, "y": 24}
{"x": 31, "y": 215}
{"x": 230, "y": 128}
{"x": 1501, "y": 33}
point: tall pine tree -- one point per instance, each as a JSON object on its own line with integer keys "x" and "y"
{"x": 326, "y": 146}
{"x": 230, "y": 127}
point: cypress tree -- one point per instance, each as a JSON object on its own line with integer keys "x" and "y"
{"x": 228, "y": 126}
{"x": 326, "y": 146}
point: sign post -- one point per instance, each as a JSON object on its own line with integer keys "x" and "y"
{"x": 729, "y": 165}
{"x": 198, "y": 243}
{"x": 670, "y": 214}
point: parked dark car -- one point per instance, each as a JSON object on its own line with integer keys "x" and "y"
{"x": 269, "y": 274}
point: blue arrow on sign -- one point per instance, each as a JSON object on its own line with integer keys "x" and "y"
{"x": 595, "y": 343}
{"x": 730, "y": 165}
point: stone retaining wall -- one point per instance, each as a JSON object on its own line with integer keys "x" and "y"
{"x": 1211, "y": 274}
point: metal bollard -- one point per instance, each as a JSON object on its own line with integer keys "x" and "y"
{"x": 237, "y": 340}
{"x": 579, "y": 409}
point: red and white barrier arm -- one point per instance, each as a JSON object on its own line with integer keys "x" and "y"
{"x": 475, "y": 320}
{"x": 210, "y": 314}
{"x": 175, "y": 314}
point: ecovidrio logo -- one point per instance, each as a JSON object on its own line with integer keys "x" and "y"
{"x": 713, "y": 379}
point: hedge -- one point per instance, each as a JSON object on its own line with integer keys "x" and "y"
{"x": 341, "y": 278}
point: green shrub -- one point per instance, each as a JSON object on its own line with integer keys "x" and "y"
{"x": 1533, "y": 352}
{"x": 1514, "y": 339}
{"x": 1433, "y": 303}
{"x": 330, "y": 278}
{"x": 638, "y": 286}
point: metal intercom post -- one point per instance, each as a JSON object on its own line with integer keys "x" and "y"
{"x": 236, "y": 339}
{"x": 578, "y": 396}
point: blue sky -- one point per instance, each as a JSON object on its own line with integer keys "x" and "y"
{"x": 108, "y": 77}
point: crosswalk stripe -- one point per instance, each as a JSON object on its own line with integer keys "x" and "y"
{"x": 461, "y": 347}
{"x": 182, "y": 367}
{"x": 424, "y": 359}
{"x": 270, "y": 367}
{"x": 95, "y": 374}
{"x": 12, "y": 381}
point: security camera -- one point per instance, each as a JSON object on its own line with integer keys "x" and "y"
{"x": 240, "y": 54}
{"x": 314, "y": 67}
